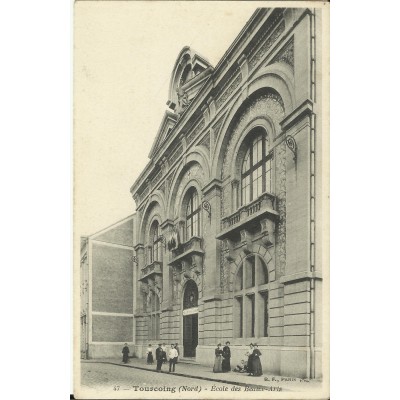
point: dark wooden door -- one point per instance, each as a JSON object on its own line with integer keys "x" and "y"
{"x": 190, "y": 335}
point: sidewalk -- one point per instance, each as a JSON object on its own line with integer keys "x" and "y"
{"x": 234, "y": 378}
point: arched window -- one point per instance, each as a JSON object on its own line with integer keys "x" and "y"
{"x": 192, "y": 214}
{"x": 155, "y": 243}
{"x": 251, "y": 299}
{"x": 256, "y": 167}
{"x": 154, "y": 317}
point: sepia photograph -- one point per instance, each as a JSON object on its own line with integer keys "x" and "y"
{"x": 201, "y": 200}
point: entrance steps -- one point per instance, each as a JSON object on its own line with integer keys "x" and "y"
{"x": 188, "y": 360}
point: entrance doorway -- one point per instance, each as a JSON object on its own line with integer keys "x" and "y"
{"x": 190, "y": 319}
{"x": 190, "y": 335}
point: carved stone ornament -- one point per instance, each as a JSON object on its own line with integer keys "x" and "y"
{"x": 197, "y": 262}
{"x": 183, "y": 99}
{"x": 158, "y": 282}
{"x": 286, "y": 55}
{"x": 246, "y": 240}
{"x": 176, "y": 274}
{"x": 228, "y": 247}
{"x": 263, "y": 50}
{"x": 266, "y": 230}
{"x": 174, "y": 241}
{"x": 144, "y": 288}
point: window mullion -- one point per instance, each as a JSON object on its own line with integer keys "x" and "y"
{"x": 251, "y": 172}
{"x": 264, "y": 162}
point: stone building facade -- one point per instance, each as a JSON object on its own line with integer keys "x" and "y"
{"x": 228, "y": 219}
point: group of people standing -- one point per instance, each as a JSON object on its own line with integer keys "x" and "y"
{"x": 161, "y": 356}
{"x": 253, "y": 365}
{"x": 222, "y": 361}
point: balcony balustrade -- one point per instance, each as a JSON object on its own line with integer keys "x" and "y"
{"x": 155, "y": 268}
{"x": 247, "y": 215}
{"x": 188, "y": 257}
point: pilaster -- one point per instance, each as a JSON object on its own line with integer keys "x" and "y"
{"x": 166, "y": 229}
{"x": 212, "y": 195}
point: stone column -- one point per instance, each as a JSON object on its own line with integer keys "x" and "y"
{"x": 139, "y": 249}
{"x": 235, "y": 194}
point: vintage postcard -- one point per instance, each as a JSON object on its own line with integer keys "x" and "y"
{"x": 201, "y": 200}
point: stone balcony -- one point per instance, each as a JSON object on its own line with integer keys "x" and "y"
{"x": 248, "y": 217}
{"x": 149, "y": 271}
{"x": 188, "y": 256}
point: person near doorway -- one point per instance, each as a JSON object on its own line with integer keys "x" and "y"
{"x": 256, "y": 367}
{"x": 226, "y": 354}
{"x": 177, "y": 350}
{"x": 125, "y": 353}
{"x": 159, "y": 357}
{"x": 149, "y": 353}
{"x": 173, "y": 356}
{"x": 218, "y": 359}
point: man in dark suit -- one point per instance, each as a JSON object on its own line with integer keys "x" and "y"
{"x": 159, "y": 357}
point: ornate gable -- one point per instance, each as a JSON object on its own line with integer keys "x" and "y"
{"x": 167, "y": 124}
{"x": 189, "y": 74}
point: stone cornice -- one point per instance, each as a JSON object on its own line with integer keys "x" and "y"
{"x": 166, "y": 223}
{"x": 301, "y": 276}
{"x": 139, "y": 246}
{"x": 212, "y": 185}
{"x": 304, "y": 109}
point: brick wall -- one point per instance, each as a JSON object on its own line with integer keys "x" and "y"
{"x": 110, "y": 328}
{"x": 112, "y": 289}
{"x": 122, "y": 234}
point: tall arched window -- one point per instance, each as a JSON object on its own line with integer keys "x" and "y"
{"x": 192, "y": 214}
{"x": 154, "y": 317}
{"x": 155, "y": 243}
{"x": 256, "y": 167}
{"x": 251, "y": 299}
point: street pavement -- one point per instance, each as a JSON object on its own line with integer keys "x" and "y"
{"x": 137, "y": 377}
{"x": 119, "y": 378}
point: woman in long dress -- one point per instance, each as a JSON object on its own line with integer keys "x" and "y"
{"x": 250, "y": 359}
{"x": 149, "y": 353}
{"x": 226, "y": 354}
{"x": 256, "y": 367}
{"x": 218, "y": 359}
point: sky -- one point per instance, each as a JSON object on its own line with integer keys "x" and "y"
{"x": 124, "y": 53}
